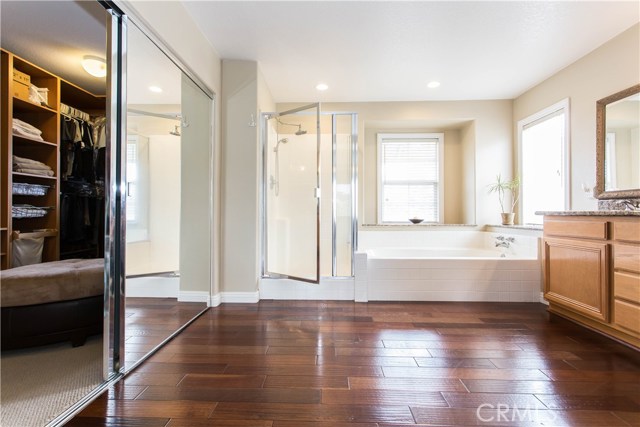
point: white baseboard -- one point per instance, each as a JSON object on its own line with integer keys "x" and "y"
{"x": 153, "y": 287}
{"x": 215, "y": 300}
{"x": 193, "y": 296}
{"x": 239, "y": 297}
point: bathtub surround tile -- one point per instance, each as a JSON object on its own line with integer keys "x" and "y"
{"x": 466, "y": 279}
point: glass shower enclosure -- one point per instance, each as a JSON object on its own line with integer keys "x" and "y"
{"x": 309, "y": 219}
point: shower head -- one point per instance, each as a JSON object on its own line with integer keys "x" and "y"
{"x": 280, "y": 141}
{"x": 298, "y": 132}
{"x": 176, "y": 131}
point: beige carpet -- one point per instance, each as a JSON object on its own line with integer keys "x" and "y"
{"x": 39, "y": 384}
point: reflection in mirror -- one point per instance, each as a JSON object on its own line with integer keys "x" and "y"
{"x": 52, "y": 253}
{"x": 618, "y": 145}
{"x": 165, "y": 148}
{"x": 622, "y": 145}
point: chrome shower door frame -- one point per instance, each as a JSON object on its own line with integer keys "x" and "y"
{"x": 354, "y": 192}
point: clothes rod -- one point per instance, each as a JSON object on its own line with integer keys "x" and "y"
{"x": 148, "y": 113}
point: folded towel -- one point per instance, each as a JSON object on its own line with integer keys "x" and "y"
{"x": 22, "y": 133}
{"x": 25, "y": 127}
{"x": 33, "y": 171}
{"x": 25, "y": 165}
{"x": 27, "y": 161}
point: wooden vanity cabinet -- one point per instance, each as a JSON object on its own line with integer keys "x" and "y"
{"x": 626, "y": 276}
{"x": 592, "y": 272}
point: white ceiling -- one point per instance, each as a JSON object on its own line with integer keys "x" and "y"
{"x": 55, "y": 35}
{"x": 364, "y": 50}
{"x": 390, "y": 50}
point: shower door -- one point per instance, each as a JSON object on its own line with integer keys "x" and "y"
{"x": 292, "y": 194}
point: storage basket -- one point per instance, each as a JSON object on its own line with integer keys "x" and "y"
{"x": 28, "y": 211}
{"x": 24, "y": 189}
{"x": 27, "y": 251}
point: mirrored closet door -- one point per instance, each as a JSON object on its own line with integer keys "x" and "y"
{"x": 52, "y": 221}
{"x": 168, "y": 198}
{"x": 105, "y": 173}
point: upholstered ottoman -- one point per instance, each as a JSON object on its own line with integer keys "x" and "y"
{"x": 51, "y": 302}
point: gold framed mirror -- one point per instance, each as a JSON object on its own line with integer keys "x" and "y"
{"x": 618, "y": 145}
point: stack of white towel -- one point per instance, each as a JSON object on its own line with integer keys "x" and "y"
{"x": 20, "y": 164}
{"x": 26, "y": 130}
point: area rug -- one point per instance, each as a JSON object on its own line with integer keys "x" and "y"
{"x": 39, "y": 384}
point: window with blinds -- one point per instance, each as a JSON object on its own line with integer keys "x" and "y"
{"x": 410, "y": 169}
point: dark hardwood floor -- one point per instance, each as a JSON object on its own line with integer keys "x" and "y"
{"x": 333, "y": 364}
{"x": 149, "y": 321}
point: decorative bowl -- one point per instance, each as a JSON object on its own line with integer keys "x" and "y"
{"x": 416, "y": 220}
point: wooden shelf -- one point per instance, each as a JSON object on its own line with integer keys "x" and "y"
{"x": 73, "y": 96}
{"x": 47, "y": 120}
{"x": 22, "y": 105}
{"x": 31, "y": 175}
{"x": 33, "y": 234}
{"x": 30, "y": 141}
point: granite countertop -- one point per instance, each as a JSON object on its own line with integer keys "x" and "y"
{"x": 590, "y": 213}
{"x": 422, "y": 224}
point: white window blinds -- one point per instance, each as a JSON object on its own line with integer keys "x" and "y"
{"x": 409, "y": 177}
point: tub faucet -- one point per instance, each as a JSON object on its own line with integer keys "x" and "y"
{"x": 504, "y": 242}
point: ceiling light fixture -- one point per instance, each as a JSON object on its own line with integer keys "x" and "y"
{"x": 155, "y": 89}
{"x": 322, "y": 86}
{"x": 94, "y": 65}
{"x": 433, "y": 85}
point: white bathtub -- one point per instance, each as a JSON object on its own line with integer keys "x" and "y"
{"x": 439, "y": 253}
{"x": 434, "y": 265}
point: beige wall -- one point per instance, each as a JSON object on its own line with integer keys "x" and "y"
{"x": 468, "y": 140}
{"x": 487, "y": 125}
{"x": 244, "y": 95}
{"x": 608, "y": 69}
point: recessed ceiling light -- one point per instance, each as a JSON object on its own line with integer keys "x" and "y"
{"x": 322, "y": 86}
{"x": 432, "y": 85}
{"x": 156, "y": 89}
{"x": 94, "y": 65}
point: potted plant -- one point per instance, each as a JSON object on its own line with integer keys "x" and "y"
{"x": 502, "y": 187}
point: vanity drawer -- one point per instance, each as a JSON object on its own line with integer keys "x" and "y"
{"x": 626, "y": 286}
{"x": 626, "y": 257}
{"x": 627, "y": 315}
{"x": 594, "y": 228}
{"x": 627, "y": 231}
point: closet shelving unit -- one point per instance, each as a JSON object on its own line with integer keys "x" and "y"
{"x": 47, "y": 119}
